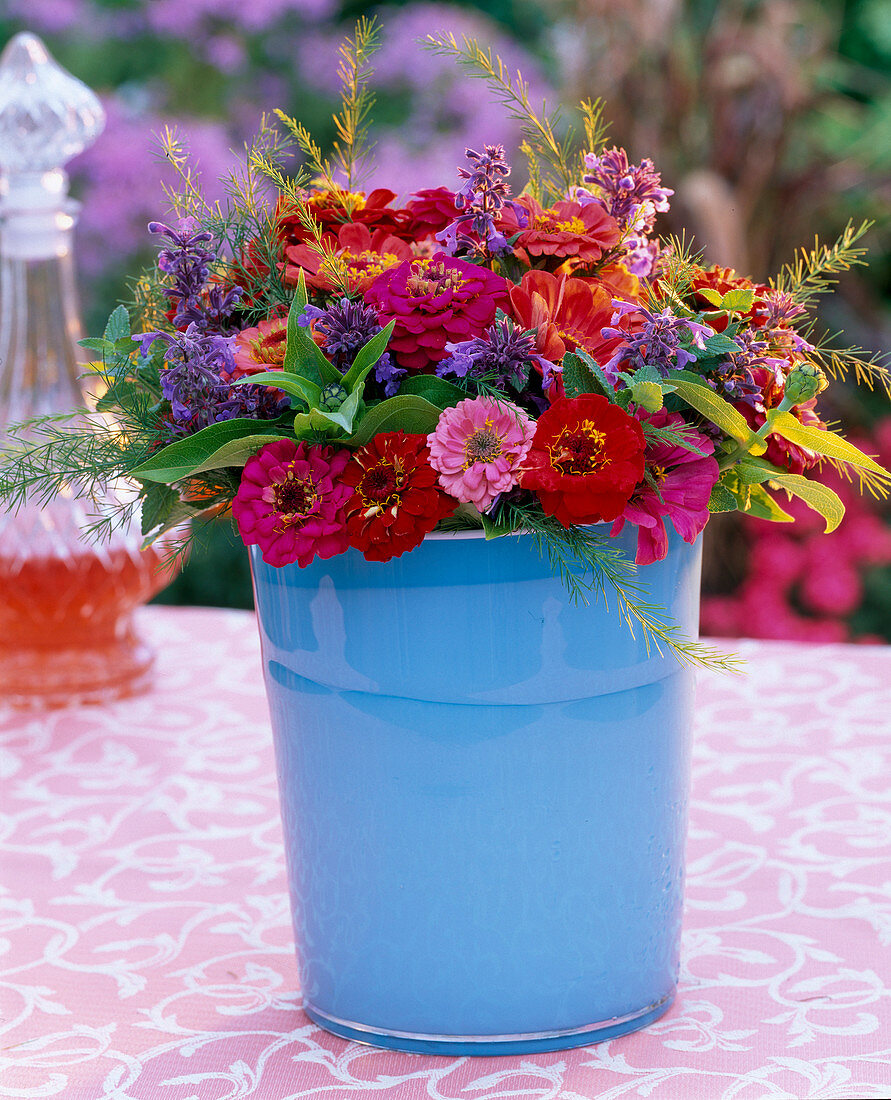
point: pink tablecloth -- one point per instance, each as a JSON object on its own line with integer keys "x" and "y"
{"x": 145, "y": 939}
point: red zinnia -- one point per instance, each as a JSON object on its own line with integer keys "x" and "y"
{"x": 565, "y": 229}
{"x": 434, "y": 301}
{"x": 396, "y": 498}
{"x": 431, "y": 211}
{"x": 364, "y": 256}
{"x": 586, "y": 460}
{"x": 330, "y": 209}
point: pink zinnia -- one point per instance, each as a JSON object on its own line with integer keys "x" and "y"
{"x": 685, "y": 483}
{"x": 291, "y": 501}
{"x": 477, "y": 448}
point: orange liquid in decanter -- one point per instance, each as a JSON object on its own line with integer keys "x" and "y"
{"x": 66, "y": 624}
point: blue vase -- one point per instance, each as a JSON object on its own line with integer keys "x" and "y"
{"x": 484, "y": 795}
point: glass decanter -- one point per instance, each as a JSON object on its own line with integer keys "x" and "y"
{"x": 66, "y": 601}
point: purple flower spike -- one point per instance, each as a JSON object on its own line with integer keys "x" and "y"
{"x": 484, "y": 194}
{"x": 195, "y": 380}
{"x": 503, "y": 356}
{"x": 188, "y": 262}
{"x": 657, "y": 344}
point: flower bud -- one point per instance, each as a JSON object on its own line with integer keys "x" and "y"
{"x": 333, "y": 396}
{"x": 803, "y": 382}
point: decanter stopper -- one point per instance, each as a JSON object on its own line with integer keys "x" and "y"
{"x": 47, "y": 116}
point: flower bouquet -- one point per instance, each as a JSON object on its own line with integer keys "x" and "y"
{"x": 366, "y": 379}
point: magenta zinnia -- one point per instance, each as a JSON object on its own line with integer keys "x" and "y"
{"x": 434, "y": 302}
{"x": 684, "y": 481}
{"x": 477, "y": 449}
{"x": 291, "y": 501}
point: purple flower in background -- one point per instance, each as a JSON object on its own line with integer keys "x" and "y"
{"x": 122, "y": 193}
{"x": 481, "y": 198}
{"x": 503, "y": 357}
{"x": 658, "y": 344}
{"x": 194, "y": 380}
{"x": 631, "y": 193}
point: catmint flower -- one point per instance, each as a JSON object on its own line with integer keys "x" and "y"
{"x": 195, "y": 380}
{"x": 657, "y": 344}
{"x": 188, "y": 262}
{"x": 631, "y": 193}
{"x": 502, "y": 356}
{"x": 484, "y": 194}
{"x": 346, "y": 327}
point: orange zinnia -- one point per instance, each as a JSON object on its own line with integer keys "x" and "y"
{"x": 565, "y": 313}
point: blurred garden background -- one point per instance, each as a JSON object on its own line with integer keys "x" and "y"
{"x": 771, "y": 120}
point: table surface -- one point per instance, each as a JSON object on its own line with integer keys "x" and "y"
{"x": 145, "y": 937}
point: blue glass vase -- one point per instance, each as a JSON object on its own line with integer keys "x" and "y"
{"x": 484, "y": 795}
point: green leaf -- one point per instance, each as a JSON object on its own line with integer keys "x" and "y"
{"x": 410, "y": 414}
{"x": 158, "y": 502}
{"x": 754, "y": 471}
{"x": 205, "y": 450}
{"x": 179, "y": 514}
{"x": 495, "y": 529}
{"x": 596, "y": 370}
{"x": 95, "y": 343}
{"x": 722, "y": 499}
{"x": 712, "y": 296}
{"x": 763, "y": 506}
{"x": 436, "y": 390}
{"x": 700, "y": 396}
{"x": 648, "y": 395}
{"x": 721, "y": 344}
{"x": 302, "y": 354}
{"x": 822, "y": 441}
{"x": 367, "y": 356}
{"x": 118, "y": 325}
{"x": 737, "y": 301}
{"x": 295, "y": 385}
{"x": 817, "y": 496}
{"x": 579, "y": 378}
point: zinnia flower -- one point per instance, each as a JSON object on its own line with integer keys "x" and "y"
{"x": 434, "y": 301}
{"x": 684, "y": 481}
{"x": 395, "y": 498}
{"x": 362, "y": 256}
{"x": 431, "y": 211}
{"x": 565, "y": 313}
{"x": 260, "y": 348}
{"x": 586, "y": 459}
{"x": 329, "y": 208}
{"x": 477, "y": 448}
{"x": 291, "y": 501}
{"x": 563, "y": 230}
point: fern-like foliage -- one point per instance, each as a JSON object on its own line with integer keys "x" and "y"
{"x": 544, "y": 149}
{"x": 814, "y": 271}
{"x": 593, "y": 566}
